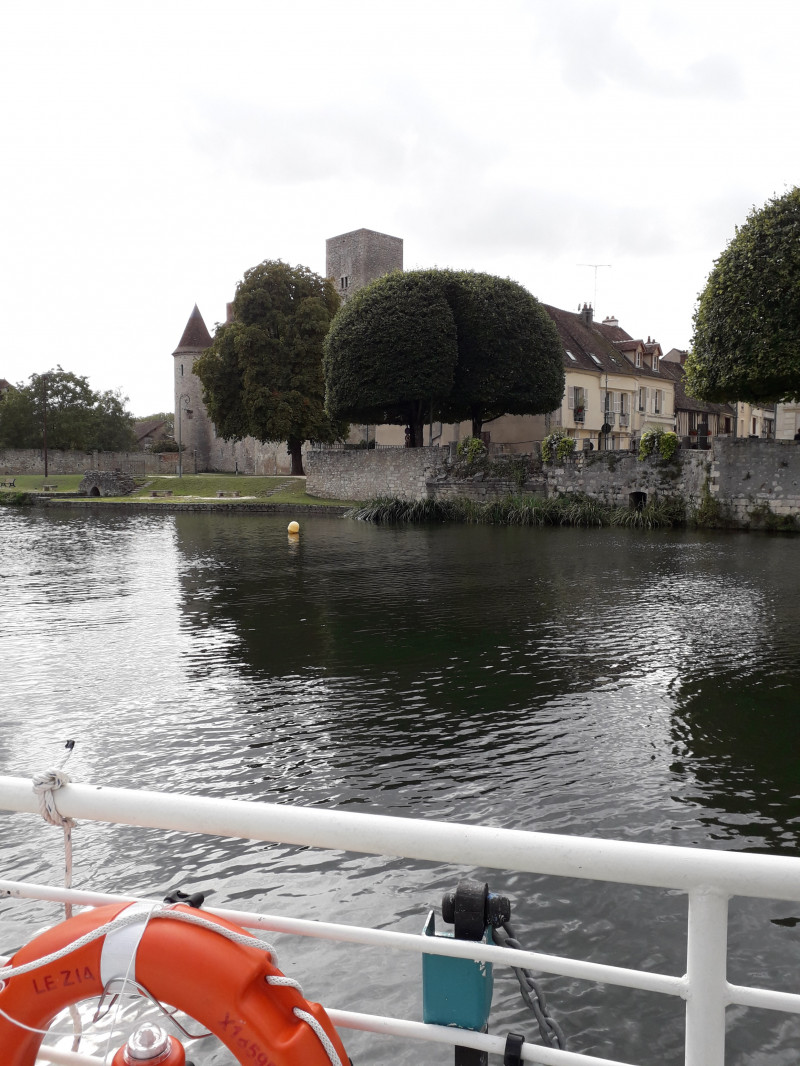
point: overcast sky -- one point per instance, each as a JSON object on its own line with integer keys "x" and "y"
{"x": 152, "y": 151}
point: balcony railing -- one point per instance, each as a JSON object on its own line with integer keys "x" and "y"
{"x": 579, "y": 414}
{"x": 624, "y": 419}
{"x": 610, "y": 417}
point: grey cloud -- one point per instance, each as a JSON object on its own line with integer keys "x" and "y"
{"x": 596, "y": 50}
{"x": 499, "y": 220}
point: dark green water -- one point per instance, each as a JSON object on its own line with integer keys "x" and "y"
{"x": 604, "y": 683}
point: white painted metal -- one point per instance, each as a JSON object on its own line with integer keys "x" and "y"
{"x": 709, "y": 877}
{"x": 706, "y": 960}
{"x": 354, "y": 934}
{"x": 766, "y": 876}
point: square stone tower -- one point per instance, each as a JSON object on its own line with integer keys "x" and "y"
{"x": 356, "y": 258}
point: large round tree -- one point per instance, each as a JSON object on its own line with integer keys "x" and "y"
{"x": 391, "y": 352}
{"x": 746, "y": 343}
{"x": 262, "y": 376}
{"x": 510, "y": 357}
{"x": 442, "y": 344}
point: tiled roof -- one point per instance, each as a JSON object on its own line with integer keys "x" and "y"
{"x": 195, "y": 336}
{"x": 4, "y": 384}
{"x": 596, "y": 347}
{"x": 142, "y": 429}
{"x": 683, "y": 402}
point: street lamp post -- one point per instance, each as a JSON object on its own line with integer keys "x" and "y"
{"x": 183, "y": 402}
{"x": 44, "y": 422}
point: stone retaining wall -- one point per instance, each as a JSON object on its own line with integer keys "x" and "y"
{"x": 614, "y": 476}
{"x": 756, "y": 479}
{"x": 31, "y": 461}
{"x": 753, "y": 483}
{"x": 363, "y": 474}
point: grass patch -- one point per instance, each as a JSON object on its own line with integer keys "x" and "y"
{"x": 189, "y": 488}
{"x": 36, "y": 482}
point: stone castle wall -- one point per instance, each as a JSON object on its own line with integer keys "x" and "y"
{"x": 361, "y": 256}
{"x": 363, "y": 474}
{"x": 613, "y": 476}
{"x": 754, "y": 478}
{"x": 755, "y": 483}
{"x": 31, "y": 461}
{"x": 196, "y": 429}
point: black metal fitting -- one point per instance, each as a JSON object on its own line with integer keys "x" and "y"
{"x": 472, "y": 907}
{"x": 513, "y": 1050}
{"x": 191, "y": 899}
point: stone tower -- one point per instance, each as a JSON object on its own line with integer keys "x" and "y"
{"x": 191, "y": 418}
{"x": 356, "y": 258}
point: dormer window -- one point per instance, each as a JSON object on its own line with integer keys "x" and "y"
{"x": 639, "y": 359}
{"x": 596, "y": 360}
{"x": 569, "y": 353}
{"x": 655, "y": 363}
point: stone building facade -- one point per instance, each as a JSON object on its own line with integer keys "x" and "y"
{"x": 354, "y": 259}
{"x": 203, "y": 449}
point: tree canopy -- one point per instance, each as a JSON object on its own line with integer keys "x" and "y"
{"x": 746, "y": 343}
{"x": 262, "y": 376}
{"x": 76, "y": 417}
{"x": 442, "y": 344}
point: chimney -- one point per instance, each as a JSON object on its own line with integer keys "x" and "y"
{"x": 587, "y": 314}
{"x": 228, "y": 313}
{"x": 611, "y": 321}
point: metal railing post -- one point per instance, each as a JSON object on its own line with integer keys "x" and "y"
{"x": 706, "y": 971}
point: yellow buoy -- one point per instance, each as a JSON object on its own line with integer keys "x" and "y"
{"x": 294, "y": 527}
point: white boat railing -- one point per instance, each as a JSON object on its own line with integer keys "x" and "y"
{"x": 709, "y": 878}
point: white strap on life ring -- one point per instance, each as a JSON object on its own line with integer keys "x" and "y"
{"x": 118, "y": 956}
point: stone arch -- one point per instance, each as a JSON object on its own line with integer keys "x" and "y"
{"x": 637, "y": 500}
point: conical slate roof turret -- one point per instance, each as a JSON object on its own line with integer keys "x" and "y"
{"x": 196, "y": 336}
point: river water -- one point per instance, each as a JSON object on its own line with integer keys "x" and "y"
{"x": 613, "y": 683}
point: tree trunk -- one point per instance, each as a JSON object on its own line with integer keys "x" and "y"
{"x": 477, "y": 423}
{"x": 416, "y": 425}
{"x": 295, "y": 448}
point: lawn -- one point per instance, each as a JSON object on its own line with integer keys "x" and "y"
{"x": 36, "y": 483}
{"x": 189, "y": 488}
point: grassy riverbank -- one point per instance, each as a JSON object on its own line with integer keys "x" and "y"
{"x": 191, "y": 488}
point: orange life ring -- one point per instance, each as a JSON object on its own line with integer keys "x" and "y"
{"x": 222, "y": 984}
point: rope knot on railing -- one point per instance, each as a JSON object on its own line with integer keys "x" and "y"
{"x": 44, "y": 785}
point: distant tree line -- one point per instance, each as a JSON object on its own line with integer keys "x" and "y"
{"x": 62, "y": 406}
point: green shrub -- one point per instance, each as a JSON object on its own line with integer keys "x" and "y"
{"x": 665, "y": 442}
{"x": 16, "y": 499}
{"x": 576, "y": 510}
{"x": 560, "y": 443}
{"x": 471, "y": 449}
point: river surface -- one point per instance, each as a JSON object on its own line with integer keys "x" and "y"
{"x": 612, "y": 683}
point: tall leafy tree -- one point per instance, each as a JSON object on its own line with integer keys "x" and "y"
{"x": 73, "y": 415}
{"x": 746, "y": 343}
{"x": 262, "y": 376}
{"x": 446, "y": 344}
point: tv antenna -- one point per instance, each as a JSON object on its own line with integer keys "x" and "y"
{"x": 595, "y": 267}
